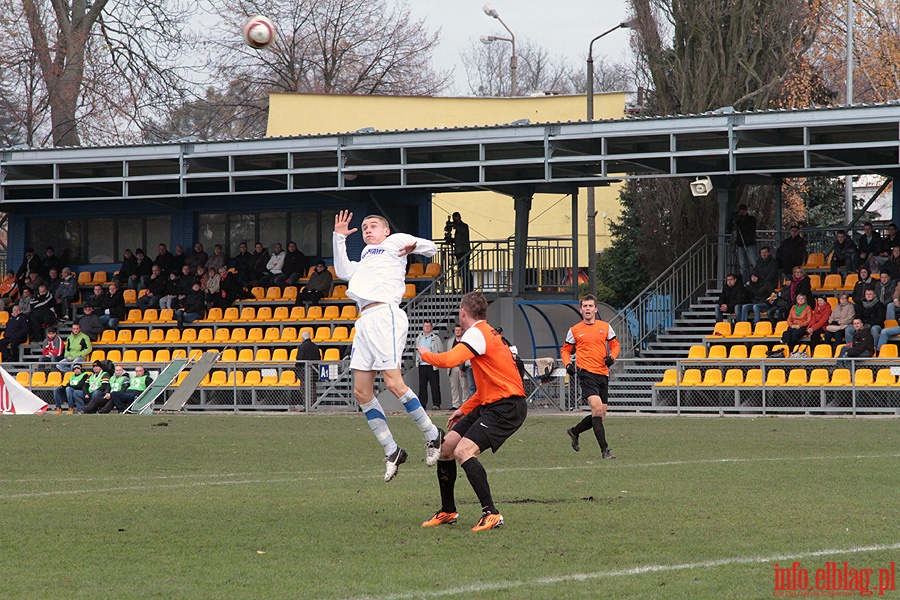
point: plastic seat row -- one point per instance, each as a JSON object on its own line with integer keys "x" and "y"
{"x": 248, "y": 314}
{"x": 289, "y": 294}
{"x": 238, "y": 335}
{"x": 88, "y": 278}
{"x": 264, "y": 378}
{"x": 763, "y": 329}
{"x": 418, "y": 270}
{"x": 759, "y": 351}
{"x": 778, "y": 377}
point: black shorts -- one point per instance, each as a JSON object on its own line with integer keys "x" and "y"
{"x": 492, "y": 424}
{"x": 593, "y": 384}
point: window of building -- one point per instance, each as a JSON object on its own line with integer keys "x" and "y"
{"x": 311, "y": 230}
{"x": 98, "y": 240}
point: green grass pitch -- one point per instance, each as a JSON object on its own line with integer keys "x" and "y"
{"x": 222, "y": 506}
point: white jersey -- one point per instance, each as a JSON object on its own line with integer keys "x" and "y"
{"x": 380, "y": 274}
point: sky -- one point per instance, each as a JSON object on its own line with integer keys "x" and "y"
{"x": 563, "y": 27}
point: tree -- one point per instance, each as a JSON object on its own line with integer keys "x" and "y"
{"x": 216, "y": 115}
{"x": 103, "y": 65}
{"x": 326, "y": 47}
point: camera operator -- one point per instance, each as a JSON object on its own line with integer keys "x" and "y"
{"x": 461, "y": 248}
{"x": 743, "y": 226}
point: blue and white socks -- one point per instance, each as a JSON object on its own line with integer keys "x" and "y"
{"x": 378, "y": 422}
{"x": 414, "y": 409}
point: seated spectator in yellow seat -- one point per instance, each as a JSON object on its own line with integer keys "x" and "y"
{"x": 820, "y": 317}
{"x": 799, "y": 317}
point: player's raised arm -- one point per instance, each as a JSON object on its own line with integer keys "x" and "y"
{"x": 410, "y": 244}
{"x": 343, "y": 266}
{"x": 342, "y": 223}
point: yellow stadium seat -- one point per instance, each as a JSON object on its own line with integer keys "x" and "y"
{"x": 711, "y": 378}
{"x": 410, "y": 291}
{"x": 780, "y": 328}
{"x": 670, "y": 378}
{"x": 840, "y": 378}
{"x": 163, "y": 356}
{"x": 758, "y": 351}
{"x": 298, "y": 313}
{"x": 753, "y": 378}
{"x": 289, "y": 294}
{"x": 737, "y": 351}
{"x": 415, "y": 270}
{"x": 245, "y": 355}
{"x": 697, "y": 352}
{"x": 287, "y": 377}
{"x": 189, "y": 335}
{"x": 308, "y": 330}
{"x": 352, "y": 334}
{"x": 145, "y": 356}
{"x": 257, "y": 292}
{"x": 279, "y": 355}
{"x": 167, "y": 315}
{"x": 850, "y": 281}
{"x": 863, "y": 377}
{"x": 722, "y": 329}
{"x": 130, "y": 296}
{"x": 179, "y": 353}
{"x": 822, "y": 351}
{"x": 884, "y": 378}
{"x": 273, "y": 293}
{"x": 124, "y": 336}
{"x": 252, "y": 379}
{"x": 107, "y": 337}
{"x": 23, "y": 378}
{"x": 432, "y": 270}
{"x": 742, "y": 329}
{"x": 292, "y": 357}
{"x": 97, "y": 355}
{"x": 348, "y": 313}
{"x": 832, "y": 282}
{"x": 314, "y": 313}
{"x": 288, "y": 335}
{"x": 717, "y": 352}
{"x": 4, "y": 317}
{"x": 273, "y": 334}
{"x": 339, "y": 292}
{"x": 832, "y": 302}
{"x": 38, "y": 379}
{"x": 130, "y": 356}
{"x": 340, "y": 334}
{"x": 134, "y": 316}
{"x": 214, "y": 315}
{"x": 264, "y": 313}
{"x": 692, "y": 377}
{"x": 281, "y": 313}
{"x": 796, "y": 377}
{"x": 218, "y": 379}
{"x": 888, "y": 350}
{"x": 205, "y": 335}
{"x": 323, "y": 334}
{"x": 255, "y": 335}
{"x": 818, "y": 378}
{"x": 269, "y": 380}
{"x": 180, "y": 378}
{"x": 263, "y": 355}
{"x": 890, "y": 323}
{"x": 238, "y": 335}
{"x": 332, "y": 354}
{"x": 248, "y": 313}
{"x": 151, "y": 315}
{"x": 66, "y": 378}
{"x": 784, "y": 349}
{"x": 100, "y": 277}
{"x": 231, "y": 314}
{"x": 142, "y": 293}
{"x": 332, "y": 313}
{"x": 775, "y": 377}
{"x": 54, "y": 378}
{"x": 229, "y": 355}
{"x": 762, "y": 329}
{"x": 157, "y": 336}
{"x": 140, "y": 336}
{"x": 173, "y": 336}
{"x": 85, "y": 278}
{"x": 114, "y": 355}
{"x": 222, "y": 335}
{"x": 733, "y": 377}
{"x": 815, "y": 281}
{"x": 816, "y": 260}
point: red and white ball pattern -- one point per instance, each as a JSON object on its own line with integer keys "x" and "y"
{"x": 258, "y": 32}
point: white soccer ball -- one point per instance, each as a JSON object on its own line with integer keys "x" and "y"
{"x": 258, "y": 32}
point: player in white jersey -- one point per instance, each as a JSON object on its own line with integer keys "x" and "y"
{"x": 377, "y": 283}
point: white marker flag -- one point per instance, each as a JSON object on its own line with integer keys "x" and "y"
{"x": 15, "y": 399}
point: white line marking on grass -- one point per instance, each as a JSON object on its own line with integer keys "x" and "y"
{"x": 476, "y": 588}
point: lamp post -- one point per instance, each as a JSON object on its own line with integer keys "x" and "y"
{"x": 488, "y": 39}
{"x": 591, "y": 211}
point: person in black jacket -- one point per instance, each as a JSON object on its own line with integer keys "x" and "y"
{"x": 42, "y": 314}
{"x": 49, "y": 262}
{"x": 743, "y": 226}
{"x": 113, "y": 310}
{"x": 871, "y": 312}
{"x": 242, "y": 263}
{"x": 318, "y": 286}
{"x": 792, "y": 251}
{"x": 17, "y": 329}
{"x": 127, "y": 275}
{"x": 258, "y": 264}
{"x": 869, "y": 246}
{"x": 843, "y": 253}
{"x": 865, "y": 282}
{"x": 193, "y": 306}
{"x": 862, "y": 346}
{"x": 759, "y": 291}
{"x": 30, "y": 264}
{"x": 294, "y": 267}
{"x": 733, "y": 294}
{"x": 156, "y": 289}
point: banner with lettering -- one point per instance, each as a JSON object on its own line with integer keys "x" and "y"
{"x": 15, "y": 399}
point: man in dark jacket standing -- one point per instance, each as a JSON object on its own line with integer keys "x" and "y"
{"x": 792, "y": 252}
{"x": 743, "y": 226}
{"x": 17, "y": 329}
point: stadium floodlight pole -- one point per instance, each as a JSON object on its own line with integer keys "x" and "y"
{"x": 848, "y": 179}
{"x": 591, "y": 211}
{"x": 513, "y": 60}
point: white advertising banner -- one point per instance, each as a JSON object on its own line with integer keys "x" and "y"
{"x": 15, "y": 399}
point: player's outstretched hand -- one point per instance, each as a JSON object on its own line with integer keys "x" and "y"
{"x": 421, "y": 349}
{"x": 342, "y": 223}
{"x": 454, "y": 419}
{"x": 407, "y": 249}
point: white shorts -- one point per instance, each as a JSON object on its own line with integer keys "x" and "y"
{"x": 380, "y": 339}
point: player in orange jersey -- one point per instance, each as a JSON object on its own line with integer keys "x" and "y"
{"x": 596, "y": 349}
{"x": 494, "y": 412}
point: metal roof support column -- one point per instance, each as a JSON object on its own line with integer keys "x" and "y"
{"x": 520, "y": 250}
{"x": 575, "y": 243}
{"x": 723, "y": 193}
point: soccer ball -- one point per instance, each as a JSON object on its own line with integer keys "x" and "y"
{"x": 258, "y": 32}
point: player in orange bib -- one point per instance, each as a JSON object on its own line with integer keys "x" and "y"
{"x": 596, "y": 349}
{"x": 494, "y": 412}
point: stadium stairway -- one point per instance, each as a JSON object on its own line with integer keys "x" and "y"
{"x": 631, "y": 385}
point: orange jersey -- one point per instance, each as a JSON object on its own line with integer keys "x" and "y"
{"x": 591, "y": 344}
{"x": 493, "y": 365}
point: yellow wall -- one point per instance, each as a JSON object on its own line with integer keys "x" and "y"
{"x": 489, "y": 215}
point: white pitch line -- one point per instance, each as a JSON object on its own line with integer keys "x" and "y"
{"x": 476, "y": 588}
{"x": 315, "y": 475}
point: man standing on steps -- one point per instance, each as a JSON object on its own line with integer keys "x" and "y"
{"x": 596, "y": 349}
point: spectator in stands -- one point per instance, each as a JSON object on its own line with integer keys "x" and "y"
{"x": 869, "y": 246}
{"x": 97, "y": 299}
{"x": 201, "y": 276}
{"x": 127, "y": 276}
{"x": 820, "y": 317}
{"x": 53, "y": 347}
{"x": 294, "y": 267}
{"x": 197, "y": 258}
{"x": 866, "y": 282}
{"x": 24, "y": 302}
{"x": 101, "y": 402}
{"x": 144, "y": 269}
{"x": 66, "y": 293}
{"x": 164, "y": 260}
{"x": 892, "y": 265}
{"x": 759, "y": 291}
{"x": 114, "y": 308}
{"x": 841, "y": 317}
{"x": 800, "y": 284}
{"x": 733, "y": 294}
{"x": 51, "y": 261}
{"x": 96, "y": 387}
{"x": 193, "y": 307}
{"x": 90, "y": 323}
{"x": 42, "y": 314}
{"x": 429, "y": 376}
{"x": 170, "y": 299}
{"x": 17, "y": 330}
{"x": 767, "y": 267}
{"x": 123, "y": 398}
{"x": 780, "y": 302}
{"x": 72, "y": 393}
{"x": 273, "y": 267}
{"x": 792, "y": 251}
{"x": 210, "y": 287}
{"x": 229, "y": 289}
{"x": 861, "y": 346}
{"x": 243, "y": 263}
{"x": 743, "y": 226}
{"x": 156, "y": 289}
{"x": 34, "y": 281}
{"x": 871, "y": 312}
{"x": 53, "y": 282}
{"x": 9, "y": 290}
{"x": 258, "y": 265}
{"x": 890, "y": 240}
{"x": 459, "y": 386}
{"x": 185, "y": 281}
{"x": 30, "y": 264}
{"x": 217, "y": 260}
{"x": 462, "y": 247}
{"x": 178, "y": 259}
{"x": 798, "y": 319}
{"x": 318, "y": 286}
{"x": 843, "y": 253}
{"x": 884, "y": 292}
{"x": 308, "y": 350}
